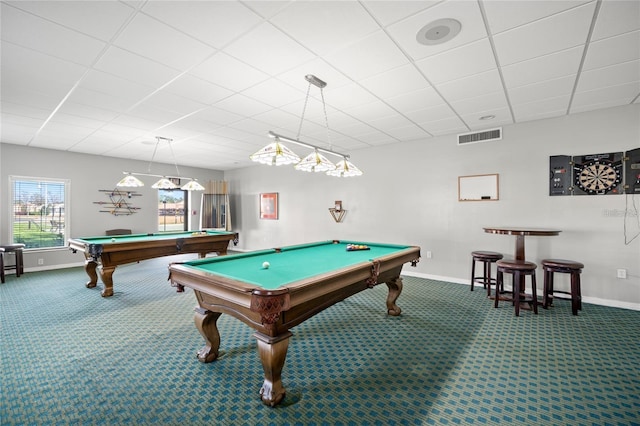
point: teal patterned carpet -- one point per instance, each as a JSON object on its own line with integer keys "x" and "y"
{"x": 70, "y": 356}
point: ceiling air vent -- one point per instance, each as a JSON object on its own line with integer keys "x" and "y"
{"x": 483, "y": 136}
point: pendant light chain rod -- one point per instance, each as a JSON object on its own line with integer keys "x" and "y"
{"x": 304, "y": 109}
{"x": 173, "y": 156}
{"x": 326, "y": 119}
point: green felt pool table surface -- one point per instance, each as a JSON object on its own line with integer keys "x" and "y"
{"x": 293, "y": 263}
{"x": 134, "y": 238}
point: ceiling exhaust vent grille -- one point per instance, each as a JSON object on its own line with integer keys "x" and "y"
{"x": 484, "y": 136}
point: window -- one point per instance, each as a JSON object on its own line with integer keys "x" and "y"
{"x": 172, "y": 210}
{"x": 38, "y": 212}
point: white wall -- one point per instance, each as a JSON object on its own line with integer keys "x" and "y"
{"x": 88, "y": 174}
{"x": 408, "y": 194}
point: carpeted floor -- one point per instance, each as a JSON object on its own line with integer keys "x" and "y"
{"x": 70, "y": 356}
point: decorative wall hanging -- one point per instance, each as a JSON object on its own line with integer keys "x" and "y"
{"x": 118, "y": 204}
{"x": 595, "y": 174}
{"x": 337, "y": 212}
{"x": 269, "y": 206}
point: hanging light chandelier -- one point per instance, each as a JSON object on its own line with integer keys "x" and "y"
{"x": 131, "y": 181}
{"x": 276, "y": 153}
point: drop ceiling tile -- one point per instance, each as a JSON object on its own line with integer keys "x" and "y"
{"x": 395, "y": 82}
{"x": 479, "y": 104}
{"x": 463, "y": 61}
{"x": 445, "y": 126}
{"x": 471, "y": 87}
{"x": 79, "y": 111}
{"x": 430, "y": 114}
{"x": 114, "y": 86}
{"x": 258, "y": 128}
{"x": 370, "y": 111}
{"x": 543, "y": 68}
{"x": 169, "y": 102}
{"x": 99, "y": 19}
{"x": 216, "y": 23}
{"x": 388, "y": 12}
{"x": 267, "y": 9}
{"x": 323, "y": 29}
{"x": 504, "y": 15}
{"x": 229, "y": 72}
{"x": 348, "y": 96}
{"x": 466, "y": 12}
{"x": 369, "y": 56}
{"x": 407, "y": 133}
{"x": 375, "y": 138}
{"x": 415, "y": 100}
{"x": 557, "y": 32}
{"x": 608, "y": 104}
{"x": 541, "y": 108}
{"x": 26, "y": 111}
{"x": 243, "y": 105}
{"x": 26, "y": 30}
{"x": 134, "y": 67}
{"x": 615, "y": 18}
{"x": 100, "y": 100}
{"x": 613, "y": 75}
{"x": 613, "y": 50}
{"x": 196, "y": 124}
{"x": 37, "y": 72}
{"x": 157, "y": 41}
{"x": 388, "y": 123}
{"x": 274, "y": 92}
{"x": 624, "y": 92}
{"x": 218, "y": 116}
{"x": 198, "y": 89}
{"x": 542, "y": 90}
{"x": 277, "y": 118}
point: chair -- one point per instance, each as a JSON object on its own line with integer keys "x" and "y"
{"x": 519, "y": 270}
{"x": 571, "y": 267}
{"x": 2, "y": 265}
{"x": 17, "y": 250}
{"x": 487, "y": 258}
{"x": 118, "y": 232}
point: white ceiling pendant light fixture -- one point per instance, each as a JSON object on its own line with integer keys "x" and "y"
{"x": 344, "y": 168}
{"x": 275, "y": 153}
{"x": 165, "y": 182}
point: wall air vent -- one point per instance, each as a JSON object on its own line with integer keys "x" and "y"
{"x": 483, "y": 136}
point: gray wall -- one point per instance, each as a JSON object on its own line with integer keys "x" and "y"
{"x": 408, "y": 194}
{"x": 88, "y": 174}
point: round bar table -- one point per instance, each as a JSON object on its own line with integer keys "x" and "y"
{"x": 520, "y": 232}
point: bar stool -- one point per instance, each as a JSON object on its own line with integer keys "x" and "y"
{"x": 17, "y": 250}
{"x": 2, "y": 265}
{"x": 571, "y": 267}
{"x": 519, "y": 270}
{"x": 487, "y": 258}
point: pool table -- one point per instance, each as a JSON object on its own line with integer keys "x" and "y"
{"x": 299, "y": 282}
{"x": 111, "y": 251}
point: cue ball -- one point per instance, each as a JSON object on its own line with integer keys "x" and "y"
{"x": 113, "y": 240}
{"x": 266, "y": 265}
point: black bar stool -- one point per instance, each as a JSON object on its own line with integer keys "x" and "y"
{"x": 519, "y": 270}
{"x": 487, "y": 258}
{"x": 1, "y": 265}
{"x": 17, "y": 250}
{"x": 571, "y": 267}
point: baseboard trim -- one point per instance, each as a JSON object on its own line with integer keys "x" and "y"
{"x": 593, "y": 300}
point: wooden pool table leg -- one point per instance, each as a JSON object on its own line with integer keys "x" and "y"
{"x": 206, "y": 324}
{"x": 395, "y": 288}
{"x": 90, "y": 266}
{"x": 106, "y": 275}
{"x": 273, "y": 351}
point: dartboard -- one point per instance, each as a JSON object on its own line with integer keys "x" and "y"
{"x": 598, "y": 177}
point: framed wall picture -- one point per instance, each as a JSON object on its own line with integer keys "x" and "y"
{"x": 269, "y": 205}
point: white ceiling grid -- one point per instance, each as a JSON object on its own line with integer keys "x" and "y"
{"x": 107, "y": 77}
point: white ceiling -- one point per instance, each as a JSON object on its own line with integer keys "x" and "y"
{"x": 107, "y": 77}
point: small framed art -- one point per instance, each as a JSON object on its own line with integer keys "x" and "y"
{"x": 269, "y": 205}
